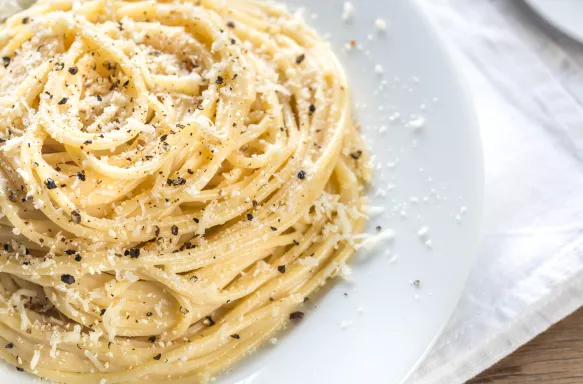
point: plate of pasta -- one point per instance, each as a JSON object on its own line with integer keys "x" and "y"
{"x": 231, "y": 191}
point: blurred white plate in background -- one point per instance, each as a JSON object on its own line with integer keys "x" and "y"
{"x": 565, "y": 15}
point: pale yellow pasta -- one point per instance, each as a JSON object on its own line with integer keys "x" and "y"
{"x": 176, "y": 178}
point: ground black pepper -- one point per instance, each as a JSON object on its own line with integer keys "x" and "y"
{"x": 133, "y": 253}
{"x": 177, "y": 181}
{"x": 296, "y": 315}
{"x": 50, "y": 183}
{"x": 67, "y": 279}
{"x": 209, "y": 321}
{"x": 76, "y": 217}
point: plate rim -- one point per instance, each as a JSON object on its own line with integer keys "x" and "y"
{"x": 468, "y": 105}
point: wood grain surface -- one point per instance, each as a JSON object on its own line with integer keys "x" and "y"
{"x": 554, "y": 357}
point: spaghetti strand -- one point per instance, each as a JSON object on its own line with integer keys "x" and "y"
{"x": 176, "y": 178}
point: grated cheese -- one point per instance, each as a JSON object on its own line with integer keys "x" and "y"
{"x": 380, "y": 25}
{"x": 95, "y": 361}
{"x": 74, "y": 336}
{"x": 417, "y": 123}
{"x": 94, "y": 336}
{"x": 345, "y": 324}
{"x": 54, "y": 342}
{"x": 308, "y": 261}
{"x": 16, "y": 299}
{"x": 34, "y": 360}
{"x": 345, "y": 271}
{"x": 111, "y": 319}
{"x": 348, "y": 11}
{"x": 372, "y": 241}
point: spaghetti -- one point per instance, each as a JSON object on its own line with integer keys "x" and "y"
{"x": 176, "y": 179}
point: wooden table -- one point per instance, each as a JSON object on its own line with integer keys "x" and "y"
{"x": 554, "y": 357}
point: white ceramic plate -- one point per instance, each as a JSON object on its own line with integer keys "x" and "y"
{"x": 440, "y": 165}
{"x": 377, "y": 328}
{"x": 565, "y": 15}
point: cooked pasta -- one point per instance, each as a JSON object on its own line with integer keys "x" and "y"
{"x": 176, "y": 179}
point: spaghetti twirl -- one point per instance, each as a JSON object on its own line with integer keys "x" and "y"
{"x": 175, "y": 179}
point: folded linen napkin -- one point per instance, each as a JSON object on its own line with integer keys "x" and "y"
{"x": 527, "y": 82}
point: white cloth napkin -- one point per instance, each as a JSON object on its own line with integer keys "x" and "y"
{"x": 527, "y": 83}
